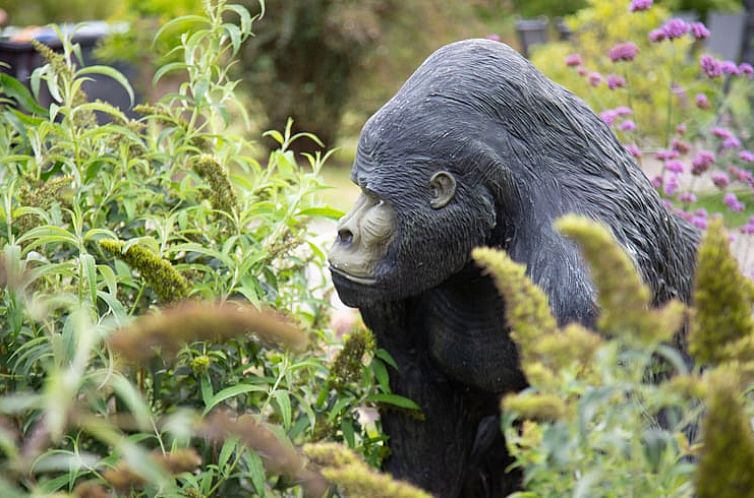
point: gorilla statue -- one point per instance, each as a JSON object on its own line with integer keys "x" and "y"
{"x": 480, "y": 149}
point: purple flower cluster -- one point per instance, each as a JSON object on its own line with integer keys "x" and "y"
{"x": 746, "y": 156}
{"x": 675, "y": 28}
{"x": 702, "y": 102}
{"x": 639, "y": 5}
{"x": 614, "y": 81}
{"x": 733, "y": 203}
{"x": 623, "y": 52}
{"x": 714, "y": 68}
{"x": 633, "y": 150}
{"x": 702, "y": 162}
{"x": 595, "y": 79}
{"x": 493, "y": 37}
{"x": 671, "y": 185}
{"x": 610, "y": 115}
{"x": 627, "y": 125}
{"x": 720, "y": 179}
{"x": 666, "y": 155}
{"x": 699, "y": 30}
{"x": 730, "y": 141}
{"x": 674, "y": 166}
{"x": 699, "y": 218}
{"x": 748, "y": 228}
{"x": 573, "y": 60}
{"x": 687, "y": 197}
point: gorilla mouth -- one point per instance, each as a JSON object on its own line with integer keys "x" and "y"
{"x": 353, "y": 278}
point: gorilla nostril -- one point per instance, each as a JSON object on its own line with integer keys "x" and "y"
{"x": 345, "y": 236}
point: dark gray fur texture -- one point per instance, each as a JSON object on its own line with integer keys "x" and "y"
{"x": 524, "y": 152}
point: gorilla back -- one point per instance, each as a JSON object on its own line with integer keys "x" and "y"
{"x": 480, "y": 149}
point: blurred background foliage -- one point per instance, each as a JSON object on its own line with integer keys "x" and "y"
{"x": 331, "y": 63}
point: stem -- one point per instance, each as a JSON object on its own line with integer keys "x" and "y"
{"x": 669, "y": 123}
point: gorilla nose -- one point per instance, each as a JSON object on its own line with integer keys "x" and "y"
{"x": 345, "y": 236}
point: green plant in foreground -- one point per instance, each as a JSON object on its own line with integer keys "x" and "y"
{"x": 595, "y": 421}
{"x": 104, "y": 388}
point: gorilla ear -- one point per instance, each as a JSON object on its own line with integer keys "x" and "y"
{"x": 443, "y": 185}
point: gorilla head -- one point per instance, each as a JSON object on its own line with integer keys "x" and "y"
{"x": 478, "y": 148}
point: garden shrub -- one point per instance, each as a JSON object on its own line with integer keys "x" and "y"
{"x": 137, "y": 256}
{"x": 597, "y": 420}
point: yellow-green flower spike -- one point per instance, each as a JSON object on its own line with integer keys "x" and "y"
{"x": 221, "y": 193}
{"x": 541, "y": 407}
{"x": 169, "y": 285}
{"x": 721, "y": 299}
{"x": 346, "y": 368}
{"x": 527, "y": 308}
{"x": 623, "y": 299}
{"x": 726, "y": 464}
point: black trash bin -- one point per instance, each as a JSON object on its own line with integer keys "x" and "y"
{"x": 22, "y": 59}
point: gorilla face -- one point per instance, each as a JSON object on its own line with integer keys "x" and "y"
{"x": 411, "y": 228}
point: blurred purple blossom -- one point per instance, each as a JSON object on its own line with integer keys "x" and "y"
{"x": 721, "y": 132}
{"x": 746, "y": 68}
{"x": 702, "y": 162}
{"x": 573, "y": 60}
{"x": 675, "y": 28}
{"x": 729, "y": 67}
{"x": 666, "y": 155}
{"x": 657, "y": 35}
{"x": 493, "y": 37}
{"x": 609, "y": 116}
{"x": 699, "y": 30}
{"x": 711, "y": 66}
{"x": 595, "y": 79}
{"x": 746, "y": 155}
{"x": 733, "y": 203}
{"x": 687, "y": 197}
{"x": 623, "y": 52}
{"x": 699, "y": 221}
{"x": 657, "y": 181}
{"x": 681, "y": 129}
{"x": 702, "y": 102}
{"x": 633, "y": 150}
{"x": 627, "y": 125}
{"x": 639, "y": 5}
{"x": 614, "y": 81}
{"x": 623, "y": 111}
{"x": 731, "y": 143}
{"x": 720, "y": 179}
{"x": 680, "y": 146}
{"x": 674, "y": 166}
{"x": 671, "y": 185}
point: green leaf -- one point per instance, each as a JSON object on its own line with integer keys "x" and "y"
{"x": 174, "y": 23}
{"x": 324, "y": 211}
{"x": 393, "y": 399}
{"x": 348, "y": 434}
{"x": 90, "y": 271}
{"x": 110, "y": 72}
{"x": 283, "y": 402}
{"x": 163, "y": 70}
{"x": 16, "y": 90}
{"x": 231, "y": 392}
{"x": 243, "y": 13}
{"x": 256, "y": 472}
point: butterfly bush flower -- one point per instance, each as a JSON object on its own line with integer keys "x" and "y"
{"x": 573, "y": 60}
{"x": 702, "y": 162}
{"x": 687, "y": 197}
{"x": 674, "y": 166}
{"x": 595, "y": 79}
{"x": 711, "y": 66}
{"x": 657, "y": 35}
{"x": 627, "y": 125}
{"x": 640, "y": 5}
{"x": 699, "y": 30}
{"x": 733, "y": 203}
{"x": 720, "y": 179}
{"x": 675, "y": 28}
{"x": 633, "y": 150}
{"x": 614, "y": 81}
{"x": 623, "y": 52}
{"x": 702, "y": 102}
{"x": 746, "y": 155}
